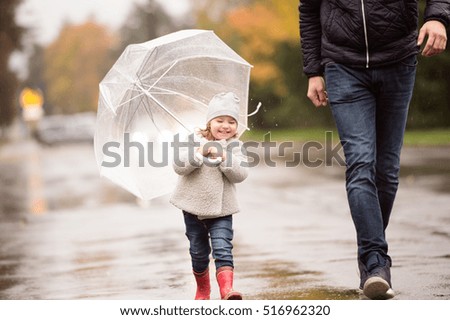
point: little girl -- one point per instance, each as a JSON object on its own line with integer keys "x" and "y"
{"x": 206, "y": 194}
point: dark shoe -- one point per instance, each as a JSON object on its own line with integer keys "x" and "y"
{"x": 376, "y": 288}
{"x": 376, "y": 282}
{"x": 363, "y": 274}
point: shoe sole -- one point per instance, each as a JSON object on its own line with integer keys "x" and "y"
{"x": 376, "y": 288}
{"x": 234, "y": 295}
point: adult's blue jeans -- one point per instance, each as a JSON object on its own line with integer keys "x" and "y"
{"x": 370, "y": 108}
{"x": 200, "y": 232}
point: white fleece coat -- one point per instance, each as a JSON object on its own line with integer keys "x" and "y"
{"x": 205, "y": 189}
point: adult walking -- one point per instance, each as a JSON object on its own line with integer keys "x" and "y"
{"x": 365, "y": 51}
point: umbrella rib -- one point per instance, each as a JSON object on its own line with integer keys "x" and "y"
{"x": 131, "y": 118}
{"x": 179, "y": 94}
{"x": 165, "y": 72}
{"x": 166, "y": 110}
{"x": 158, "y": 103}
{"x": 131, "y": 99}
{"x": 130, "y": 79}
{"x": 147, "y": 92}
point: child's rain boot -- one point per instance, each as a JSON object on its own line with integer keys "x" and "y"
{"x": 203, "y": 285}
{"x": 224, "y": 277}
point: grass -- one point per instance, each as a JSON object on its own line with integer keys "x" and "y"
{"x": 428, "y": 137}
{"x": 307, "y": 134}
{"x": 432, "y": 137}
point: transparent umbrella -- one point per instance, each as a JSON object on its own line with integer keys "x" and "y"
{"x": 154, "y": 91}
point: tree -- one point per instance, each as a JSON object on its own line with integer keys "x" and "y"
{"x": 35, "y": 78}
{"x": 266, "y": 34}
{"x": 10, "y": 40}
{"x": 75, "y": 63}
{"x": 430, "y": 105}
{"x": 146, "y": 21}
{"x": 212, "y": 12}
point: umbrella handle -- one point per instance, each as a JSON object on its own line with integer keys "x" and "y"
{"x": 256, "y": 111}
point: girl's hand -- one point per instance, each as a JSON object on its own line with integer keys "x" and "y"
{"x": 211, "y": 152}
{"x": 214, "y": 154}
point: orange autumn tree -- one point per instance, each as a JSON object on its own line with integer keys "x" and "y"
{"x": 75, "y": 63}
{"x": 254, "y": 29}
{"x": 261, "y": 27}
{"x": 266, "y": 34}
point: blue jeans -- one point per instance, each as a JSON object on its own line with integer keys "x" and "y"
{"x": 370, "y": 108}
{"x": 199, "y": 232}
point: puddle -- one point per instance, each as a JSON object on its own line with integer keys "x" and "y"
{"x": 280, "y": 282}
{"x": 320, "y": 293}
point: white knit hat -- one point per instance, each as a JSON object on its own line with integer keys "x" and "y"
{"x": 223, "y": 104}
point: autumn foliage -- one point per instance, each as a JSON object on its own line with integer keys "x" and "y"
{"x": 75, "y": 63}
{"x": 264, "y": 32}
{"x": 255, "y": 30}
{"x": 10, "y": 40}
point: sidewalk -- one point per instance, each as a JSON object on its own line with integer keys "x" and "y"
{"x": 294, "y": 238}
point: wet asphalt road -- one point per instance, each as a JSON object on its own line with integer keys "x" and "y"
{"x": 65, "y": 233}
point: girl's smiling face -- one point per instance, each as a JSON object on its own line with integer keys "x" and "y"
{"x": 223, "y": 127}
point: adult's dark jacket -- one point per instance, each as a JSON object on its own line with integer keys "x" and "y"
{"x": 362, "y": 33}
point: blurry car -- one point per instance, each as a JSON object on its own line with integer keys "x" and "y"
{"x": 58, "y": 129}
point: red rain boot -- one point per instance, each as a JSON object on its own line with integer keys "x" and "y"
{"x": 224, "y": 277}
{"x": 203, "y": 285}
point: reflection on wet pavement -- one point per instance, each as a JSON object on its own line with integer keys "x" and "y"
{"x": 311, "y": 294}
{"x": 284, "y": 281}
{"x": 65, "y": 233}
{"x": 12, "y": 195}
{"x": 8, "y": 267}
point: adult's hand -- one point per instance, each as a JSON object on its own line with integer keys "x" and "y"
{"x": 316, "y": 91}
{"x": 437, "y": 38}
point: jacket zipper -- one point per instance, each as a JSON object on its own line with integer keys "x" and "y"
{"x": 365, "y": 33}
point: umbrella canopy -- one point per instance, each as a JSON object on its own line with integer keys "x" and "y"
{"x": 155, "y": 90}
